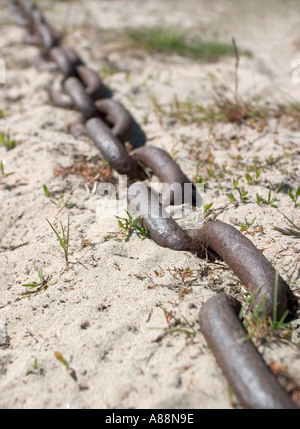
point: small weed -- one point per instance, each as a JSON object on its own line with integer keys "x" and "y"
{"x": 252, "y": 179}
{"x": 176, "y": 325}
{"x": 46, "y": 190}
{"x": 174, "y": 153}
{"x": 35, "y": 369}
{"x": 63, "y": 239}
{"x": 183, "y": 275}
{"x": 199, "y": 179}
{"x": 145, "y": 119}
{"x": 61, "y": 359}
{"x": 262, "y": 201}
{"x": 258, "y": 323}
{"x": 108, "y": 71}
{"x": 208, "y": 209}
{"x": 3, "y": 113}
{"x": 2, "y": 170}
{"x": 247, "y": 224}
{"x": 66, "y": 364}
{"x": 6, "y": 140}
{"x": 241, "y": 192}
{"x": 60, "y": 203}
{"x": 36, "y": 287}
{"x": 225, "y": 169}
{"x": 293, "y": 232}
{"x": 34, "y": 366}
{"x": 158, "y": 110}
{"x": 130, "y": 224}
{"x": 295, "y": 197}
{"x": 270, "y": 161}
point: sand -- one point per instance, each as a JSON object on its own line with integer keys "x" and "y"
{"x": 105, "y": 314}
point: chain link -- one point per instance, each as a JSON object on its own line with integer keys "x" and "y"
{"x": 110, "y": 125}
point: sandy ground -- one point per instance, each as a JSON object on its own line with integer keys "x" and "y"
{"x": 104, "y": 314}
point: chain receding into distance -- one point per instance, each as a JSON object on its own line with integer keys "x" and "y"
{"x": 110, "y": 125}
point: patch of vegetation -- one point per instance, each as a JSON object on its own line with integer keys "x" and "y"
{"x": 131, "y": 224}
{"x": 221, "y": 109}
{"x": 2, "y": 170}
{"x": 63, "y": 239}
{"x": 108, "y": 71}
{"x": 295, "y": 197}
{"x": 176, "y": 325}
{"x": 36, "y": 287}
{"x": 87, "y": 170}
{"x": 61, "y": 203}
{"x": 174, "y": 41}
{"x": 289, "y": 113}
{"x": 245, "y": 226}
{"x": 6, "y": 140}
{"x": 241, "y": 192}
{"x": 270, "y": 201}
{"x": 207, "y": 209}
{"x": 252, "y": 179}
{"x": 293, "y": 232}
{"x": 66, "y": 364}
{"x": 259, "y": 324}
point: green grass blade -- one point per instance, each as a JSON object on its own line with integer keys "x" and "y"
{"x": 56, "y": 233}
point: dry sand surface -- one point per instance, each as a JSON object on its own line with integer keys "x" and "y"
{"x": 105, "y": 314}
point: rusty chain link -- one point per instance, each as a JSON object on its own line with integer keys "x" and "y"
{"x": 110, "y": 125}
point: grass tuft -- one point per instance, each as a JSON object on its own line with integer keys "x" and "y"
{"x": 293, "y": 232}
{"x": 6, "y": 140}
{"x": 63, "y": 239}
{"x": 258, "y": 324}
{"x": 131, "y": 224}
{"x": 174, "y": 41}
{"x": 36, "y": 287}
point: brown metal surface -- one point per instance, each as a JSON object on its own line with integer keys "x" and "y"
{"x": 93, "y": 84}
{"x": 47, "y": 33}
{"x": 167, "y": 170}
{"x": 120, "y": 119}
{"x": 113, "y": 150}
{"x": 59, "y": 98}
{"x": 66, "y": 59}
{"x": 83, "y": 102}
{"x": 244, "y": 368}
{"x": 247, "y": 262}
{"x": 161, "y": 226}
{"x": 247, "y": 373}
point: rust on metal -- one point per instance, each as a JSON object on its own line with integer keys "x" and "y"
{"x": 59, "y": 98}
{"x": 48, "y": 34}
{"x": 120, "y": 119}
{"x": 161, "y": 226}
{"x": 167, "y": 170}
{"x": 113, "y": 150}
{"x": 84, "y": 103}
{"x": 66, "y": 59}
{"x": 94, "y": 85}
{"x": 249, "y": 377}
{"x": 247, "y": 262}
